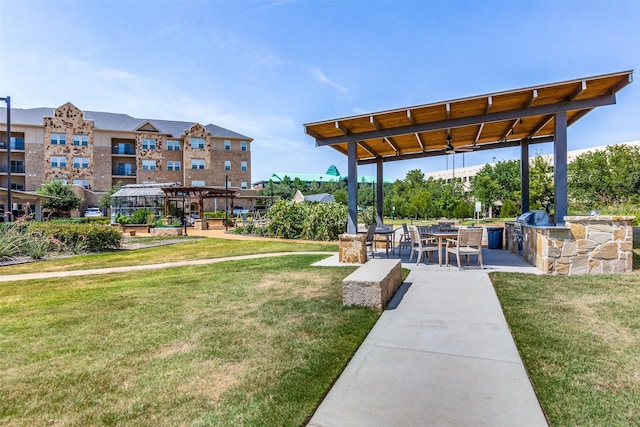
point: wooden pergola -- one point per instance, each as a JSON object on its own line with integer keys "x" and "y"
{"x": 519, "y": 117}
{"x": 183, "y": 194}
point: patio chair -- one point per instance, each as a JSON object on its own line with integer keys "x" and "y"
{"x": 446, "y": 225}
{"x": 420, "y": 245}
{"x": 405, "y": 238}
{"x": 469, "y": 242}
{"x": 370, "y": 238}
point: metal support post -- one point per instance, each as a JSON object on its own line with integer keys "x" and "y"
{"x": 8, "y": 211}
{"x": 560, "y": 197}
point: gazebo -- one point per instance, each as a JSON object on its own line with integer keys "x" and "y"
{"x": 518, "y": 117}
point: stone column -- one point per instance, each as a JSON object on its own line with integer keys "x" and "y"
{"x": 353, "y": 249}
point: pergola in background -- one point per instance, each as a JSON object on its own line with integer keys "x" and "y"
{"x": 519, "y": 117}
{"x": 183, "y": 194}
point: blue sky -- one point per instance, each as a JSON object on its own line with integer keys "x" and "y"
{"x": 265, "y": 68}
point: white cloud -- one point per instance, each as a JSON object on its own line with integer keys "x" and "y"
{"x": 319, "y": 75}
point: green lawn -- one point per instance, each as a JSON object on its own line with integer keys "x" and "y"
{"x": 242, "y": 343}
{"x": 579, "y": 338}
{"x": 188, "y": 250}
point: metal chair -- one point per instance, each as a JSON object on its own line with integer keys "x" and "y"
{"x": 420, "y": 245}
{"x": 469, "y": 242}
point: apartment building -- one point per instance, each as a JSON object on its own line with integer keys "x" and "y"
{"x": 96, "y": 150}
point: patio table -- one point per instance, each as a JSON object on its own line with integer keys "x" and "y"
{"x": 440, "y": 236}
{"x": 389, "y": 235}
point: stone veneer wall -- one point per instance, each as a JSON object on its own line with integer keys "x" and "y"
{"x": 585, "y": 245}
{"x": 353, "y": 249}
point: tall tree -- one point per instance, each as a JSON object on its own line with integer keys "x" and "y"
{"x": 607, "y": 177}
{"x": 104, "y": 202}
{"x": 64, "y": 199}
{"x": 540, "y": 183}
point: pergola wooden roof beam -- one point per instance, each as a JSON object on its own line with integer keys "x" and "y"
{"x": 472, "y": 120}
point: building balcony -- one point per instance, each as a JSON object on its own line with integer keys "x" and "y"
{"x": 123, "y": 151}
{"x": 17, "y": 144}
{"x": 124, "y": 172}
{"x": 14, "y": 169}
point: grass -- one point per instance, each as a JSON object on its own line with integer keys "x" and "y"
{"x": 189, "y": 250}
{"x": 579, "y": 337}
{"x": 242, "y": 343}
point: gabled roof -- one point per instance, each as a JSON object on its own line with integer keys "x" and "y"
{"x": 497, "y": 120}
{"x": 320, "y": 198}
{"x": 117, "y": 122}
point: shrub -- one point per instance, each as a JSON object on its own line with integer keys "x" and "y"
{"x": 141, "y": 216}
{"x": 37, "y": 245}
{"x": 310, "y": 221}
{"x": 79, "y": 237}
{"x": 11, "y": 241}
{"x": 509, "y": 209}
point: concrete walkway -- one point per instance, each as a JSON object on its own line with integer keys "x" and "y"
{"x": 440, "y": 355}
{"x": 124, "y": 269}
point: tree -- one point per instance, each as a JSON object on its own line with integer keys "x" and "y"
{"x": 604, "y": 178}
{"x": 419, "y": 202}
{"x": 104, "y": 202}
{"x": 499, "y": 182}
{"x": 485, "y": 187}
{"x": 540, "y": 183}
{"x": 64, "y": 199}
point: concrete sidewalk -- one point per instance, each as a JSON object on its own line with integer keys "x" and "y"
{"x": 440, "y": 355}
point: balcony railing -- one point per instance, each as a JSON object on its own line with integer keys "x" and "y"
{"x": 123, "y": 172}
{"x": 14, "y": 169}
{"x": 130, "y": 151}
{"x": 16, "y": 144}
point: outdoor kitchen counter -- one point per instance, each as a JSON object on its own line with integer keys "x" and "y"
{"x": 584, "y": 245}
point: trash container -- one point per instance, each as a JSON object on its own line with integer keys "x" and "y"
{"x": 494, "y": 235}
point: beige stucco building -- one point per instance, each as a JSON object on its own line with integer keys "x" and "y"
{"x": 95, "y": 150}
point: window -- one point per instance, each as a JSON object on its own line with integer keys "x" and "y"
{"x": 243, "y": 145}
{"x": 197, "y": 163}
{"x": 173, "y": 145}
{"x": 148, "y": 165}
{"x": 227, "y": 144}
{"x": 58, "y": 139}
{"x": 81, "y": 140}
{"x": 17, "y": 166}
{"x": 197, "y": 183}
{"x": 17, "y": 143}
{"x": 173, "y": 166}
{"x": 227, "y": 165}
{"x": 243, "y": 185}
{"x": 81, "y": 162}
{"x": 58, "y": 162}
{"x": 81, "y": 182}
{"x": 125, "y": 169}
{"x": 123, "y": 148}
{"x": 17, "y": 186}
{"x": 197, "y": 143}
{"x": 148, "y": 144}
{"x": 243, "y": 166}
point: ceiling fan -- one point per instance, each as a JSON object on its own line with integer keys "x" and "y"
{"x": 449, "y": 148}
